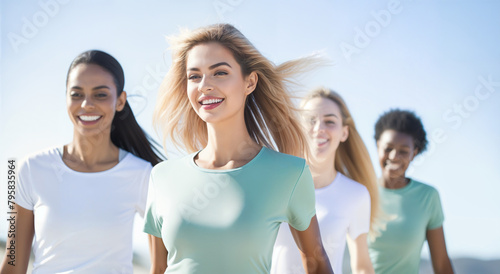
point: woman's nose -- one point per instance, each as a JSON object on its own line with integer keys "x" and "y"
{"x": 316, "y": 125}
{"x": 205, "y": 86}
{"x": 392, "y": 154}
{"x": 87, "y": 103}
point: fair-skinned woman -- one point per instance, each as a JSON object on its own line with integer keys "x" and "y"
{"x": 344, "y": 206}
{"x": 78, "y": 201}
{"x": 218, "y": 209}
{"x": 415, "y": 206}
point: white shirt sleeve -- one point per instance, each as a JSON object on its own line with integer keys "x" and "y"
{"x": 360, "y": 222}
{"x": 141, "y": 205}
{"x": 24, "y": 187}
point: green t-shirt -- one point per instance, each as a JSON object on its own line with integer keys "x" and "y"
{"x": 415, "y": 209}
{"x": 226, "y": 221}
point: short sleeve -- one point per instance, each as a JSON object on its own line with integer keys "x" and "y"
{"x": 436, "y": 211}
{"x": 24, "y": 187}
{"x": 151, "y": 223}
{"x": 360, "y": 222}
{"x": 301, "y": 205}
{"x": 141, "y": 204}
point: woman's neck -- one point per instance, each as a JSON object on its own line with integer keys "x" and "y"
{"x": 323, "y": 172}
{"x": 227, "y": 147}
{"x": 90, "y": 154}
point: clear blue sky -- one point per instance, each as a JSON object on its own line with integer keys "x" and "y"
{"x": 438, "y": 58}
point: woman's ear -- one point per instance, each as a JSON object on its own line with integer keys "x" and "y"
{"x": 415, "y": 153}
{"x": 251, "y": 82}
{"x": 345, "y": 133}
{"x": 121, "y": 100}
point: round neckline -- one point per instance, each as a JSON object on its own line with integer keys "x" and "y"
{"x": 60, "y": 159}
{"x": 401, "y": 189}
{"x": 250, "y": 163}
{"x": 330, "y": 185}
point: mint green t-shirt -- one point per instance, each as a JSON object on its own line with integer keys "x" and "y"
{"x": 415, "y": 208}
{"x": 226, "y": 221}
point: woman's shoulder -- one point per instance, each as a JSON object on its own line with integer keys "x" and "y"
{"x": 172, "y": 164}
{"x": 278, "y": 158}
{"x": 133, "y": 160}
{"x": 41, "y": 156}
{"x": 423, "y": 187}
{"x": 423, "y": 190}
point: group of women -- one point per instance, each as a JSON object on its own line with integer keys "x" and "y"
{"x": 255, "y": 162}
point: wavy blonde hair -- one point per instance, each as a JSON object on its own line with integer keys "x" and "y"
{"x": 270, "y": 117}
{"x": 352, "y": 158}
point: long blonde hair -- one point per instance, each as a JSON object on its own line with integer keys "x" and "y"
{"x": 352, "y": 158}
{"x": 270, "y": 118}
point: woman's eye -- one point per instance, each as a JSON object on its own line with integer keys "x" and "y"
{"x": 330, "y": 122}
{"x": 220, "y": 73}
{"x": 75, "y": 95}
{"x": 193, "y": 77}
{"x": 101, "y": 95}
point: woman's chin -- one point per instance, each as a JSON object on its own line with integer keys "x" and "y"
{"x": 394, "y": 174}
{"x": 320, "y": 157}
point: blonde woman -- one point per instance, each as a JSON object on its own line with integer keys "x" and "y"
{"x": 345, "y": 183}
{"x": 218, "y": 210}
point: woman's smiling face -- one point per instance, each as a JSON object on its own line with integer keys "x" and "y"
{"x": 323, "y": 119}
{"x": 216, "y": 88}
{"x": 91, "y": 99}
{"x": 395, "y": 152}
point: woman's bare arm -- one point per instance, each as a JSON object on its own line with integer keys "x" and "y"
{"x": 19, "y": 240}
{"x": 439, "y": 255}
{"x": 158, "y": 255}
{"x": 311, "y": 249}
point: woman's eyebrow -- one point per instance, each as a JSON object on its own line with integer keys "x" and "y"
{"x": 212, "y": 66}
{"x": 100, "y": 87}
{"x": 218, "y": 65}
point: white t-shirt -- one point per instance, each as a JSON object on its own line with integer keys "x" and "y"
{"x": 83, "y": 221}
{"x": 341, "y": 207}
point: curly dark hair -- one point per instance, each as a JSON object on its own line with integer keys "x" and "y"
{"x": 404, "y": 121}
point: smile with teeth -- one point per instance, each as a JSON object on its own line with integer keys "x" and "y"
{"x": 321, "y": 141}
{"x": 392, "y": 166}
{"x": 89, "y": 118}
{"x": 211, "y": 101}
